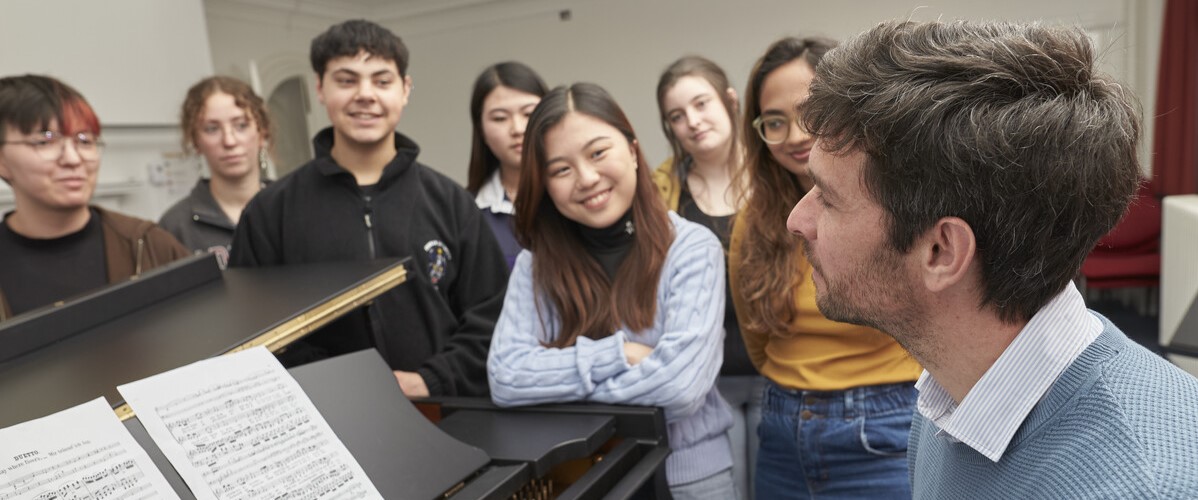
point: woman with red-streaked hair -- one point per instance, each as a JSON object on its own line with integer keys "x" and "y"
{"x": 614, "y": 300}
{"x": 55, "y": 245}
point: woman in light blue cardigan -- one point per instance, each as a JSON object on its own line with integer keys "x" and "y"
{"x": 615, "y": 299}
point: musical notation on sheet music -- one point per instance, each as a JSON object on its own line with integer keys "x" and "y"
{"x": 239, "y": 426}
{"x": 83, "y": 453}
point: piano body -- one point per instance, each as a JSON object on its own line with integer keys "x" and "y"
{"x": 450, "y": 448}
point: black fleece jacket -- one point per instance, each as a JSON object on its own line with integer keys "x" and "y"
{"x": 439, "y": 322}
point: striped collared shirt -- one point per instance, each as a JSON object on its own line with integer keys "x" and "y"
{"x": 996, "y": 406}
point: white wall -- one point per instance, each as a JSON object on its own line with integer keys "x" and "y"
{"x": 1179, "y": 270}
{"x": 624, "y": 44}
{"x": 127, "y": 57}
{"x": 134, "y": 59}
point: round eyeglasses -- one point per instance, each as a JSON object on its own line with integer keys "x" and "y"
{"x": 774, "y": 129}
{"x": 49, "y": 145}
{"x": 215, "y": 132}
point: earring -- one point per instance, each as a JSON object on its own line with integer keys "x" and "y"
{"x": 262, "y": 164}
{"x": 628, "y": 227}
{"x": 201, "y": 165}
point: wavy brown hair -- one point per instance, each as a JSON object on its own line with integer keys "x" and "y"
{"x": 564, "y": 274}
{"x": 243, "y": 96}
{"x": 769, "y": 255}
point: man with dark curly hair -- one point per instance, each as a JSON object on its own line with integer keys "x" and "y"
{"x": 963, "y": 171}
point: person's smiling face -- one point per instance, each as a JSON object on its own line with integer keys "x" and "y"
{"x": 590, "y": 170}
{"x": 364, "y": 96}
{"x": 781, "y": 91}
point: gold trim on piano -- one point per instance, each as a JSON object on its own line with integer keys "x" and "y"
{"x": 309, "y": 321}
{"x": 124, "y": 412}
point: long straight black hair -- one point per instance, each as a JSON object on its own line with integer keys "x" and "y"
{"x": 511, "y": 74}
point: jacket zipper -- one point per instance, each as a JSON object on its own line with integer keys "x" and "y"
{"x": 366, "y": 217}
{"x": 141, "y": 244}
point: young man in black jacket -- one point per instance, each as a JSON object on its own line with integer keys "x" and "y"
{"x": 364, "y": 197}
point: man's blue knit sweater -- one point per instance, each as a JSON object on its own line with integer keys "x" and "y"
{"x": 1120, "y": 422}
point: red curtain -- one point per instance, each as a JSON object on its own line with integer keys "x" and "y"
{"x": 1175, "y": 148}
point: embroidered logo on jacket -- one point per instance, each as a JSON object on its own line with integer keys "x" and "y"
{"x": 438, "y": 260}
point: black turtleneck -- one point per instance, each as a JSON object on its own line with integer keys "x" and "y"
{"x": 609, "y": 245}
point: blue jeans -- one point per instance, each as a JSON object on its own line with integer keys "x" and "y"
{"x": 836, "y": 444}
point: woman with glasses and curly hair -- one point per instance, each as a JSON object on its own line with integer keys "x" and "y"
{"x": 700, "y": 116}
{"x": 225, "y": 122}
{"x": 615, "y": 300}
{"x": 838, "y": 403}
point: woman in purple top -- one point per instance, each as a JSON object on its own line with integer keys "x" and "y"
{"x": 504, "y": 96}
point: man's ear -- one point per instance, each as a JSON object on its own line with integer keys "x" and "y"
{"x": 320, "y": 88}
{"x": 407, "y": 88}
{"x": 947, "y": 252}
{"x": 4, "y": 173}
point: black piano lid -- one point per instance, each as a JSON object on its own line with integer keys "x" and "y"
{"x": 244, "y": 307}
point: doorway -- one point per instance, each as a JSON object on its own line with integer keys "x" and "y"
{"x": 288, "y": 106}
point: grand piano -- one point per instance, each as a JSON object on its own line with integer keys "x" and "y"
{"x": 448, "y": 448}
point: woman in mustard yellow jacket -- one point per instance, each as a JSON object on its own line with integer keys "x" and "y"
{"x": 838, "y": 403}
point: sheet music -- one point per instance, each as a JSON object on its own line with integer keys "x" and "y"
{"x": 238, "y": 426}
{"x": 78, "y": 453}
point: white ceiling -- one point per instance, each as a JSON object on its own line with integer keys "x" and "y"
{"x": 377, "y": 10}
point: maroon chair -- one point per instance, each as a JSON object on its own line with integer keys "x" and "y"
{"x": 1129, "y": 255}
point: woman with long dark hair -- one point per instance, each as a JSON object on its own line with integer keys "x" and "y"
{"x": 615, "y": 299}
{"x": 838, "y": 403}
{"x": 503, "y": 98}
